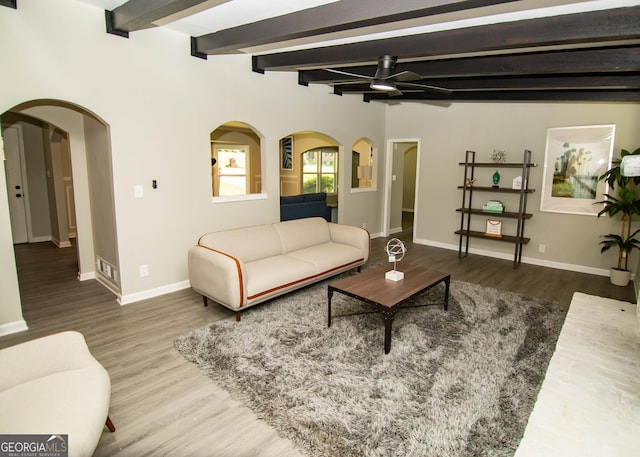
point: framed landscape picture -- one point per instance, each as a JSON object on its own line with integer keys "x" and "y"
{"x": 574, "y": 159}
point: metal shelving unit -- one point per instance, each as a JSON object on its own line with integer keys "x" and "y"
{"x": 467, "y": 210}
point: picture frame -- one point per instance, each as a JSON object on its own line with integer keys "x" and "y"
{"x": 574, "y": 159}
{"x": 493, "y": 228}
{"x": 286, "y": 153}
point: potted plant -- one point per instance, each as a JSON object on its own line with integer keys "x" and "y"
{"x": 626, "y": 203}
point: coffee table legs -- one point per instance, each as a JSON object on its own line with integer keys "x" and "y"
{"x": 447, "y": 282}
{"x": 330, "y": 293}
{"x": 388, "y": 315}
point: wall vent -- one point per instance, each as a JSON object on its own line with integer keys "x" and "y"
{"x": 107, "y": 269}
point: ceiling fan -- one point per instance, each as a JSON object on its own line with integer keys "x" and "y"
{"x": 386, "y": 80}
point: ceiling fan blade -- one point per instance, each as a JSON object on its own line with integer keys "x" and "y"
{"x": 346, "y": 73}
{"x": 443, "y": 90}
{"x": 348, "y": 82}
{"x": 406, "y": 76}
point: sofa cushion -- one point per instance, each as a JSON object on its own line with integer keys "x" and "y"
{"x": 291, "y": 199}
{"x": 328, "y": 256}
{"x": 247, "y": 244}
{"x": 275, "y": 272}
{"x": 303, "y": 210}
{"x": 304, "y": 205}
{"x": 302, "y": 233}
{"x": 315, "y": 197}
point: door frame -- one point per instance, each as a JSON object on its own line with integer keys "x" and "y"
{"x": 23, "y": 177}
{"x": 386, "y": 229}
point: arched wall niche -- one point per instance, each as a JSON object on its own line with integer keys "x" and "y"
{"x": 237, "y": 161}
{"x": 363, "y": 171}
{"x": 291, "y": 168}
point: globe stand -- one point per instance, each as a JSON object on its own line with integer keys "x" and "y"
{"x": 395, "y": 250}
{"x": 394, "y": 275}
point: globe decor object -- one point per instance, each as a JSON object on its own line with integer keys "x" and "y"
{"x": 396, "y": 250}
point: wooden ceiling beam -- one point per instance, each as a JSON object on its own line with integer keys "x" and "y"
{"x": 329, "y": 18}
{"x": 141, "y": 14}
{"x": 591, "y": 27}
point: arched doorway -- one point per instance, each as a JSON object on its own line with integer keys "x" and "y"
{"x": 78, "y": 188}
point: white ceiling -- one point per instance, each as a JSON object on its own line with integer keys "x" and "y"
{"x": 463, "y": 53}
{"x": 220, "y": 14}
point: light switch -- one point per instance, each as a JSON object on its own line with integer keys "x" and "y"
{"x": 138, "y": 191}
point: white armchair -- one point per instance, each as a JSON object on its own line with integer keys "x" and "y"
{"x": 53, "y": 385}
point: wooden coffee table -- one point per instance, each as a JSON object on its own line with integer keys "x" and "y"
{"x": 372, "y": 287}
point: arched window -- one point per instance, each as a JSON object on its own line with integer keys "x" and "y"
{"x": 232, "y": 162}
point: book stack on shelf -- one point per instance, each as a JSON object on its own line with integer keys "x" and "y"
{"x": 493, "y": 206}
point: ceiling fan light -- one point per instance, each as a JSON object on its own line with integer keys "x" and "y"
{"x": 383, "y": 84}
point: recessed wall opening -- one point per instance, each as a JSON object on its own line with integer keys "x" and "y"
{"x": 236, "y": 161}
{"x": 309, "y": 162}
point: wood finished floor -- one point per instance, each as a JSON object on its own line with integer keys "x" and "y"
{"x": 161, "y": 404}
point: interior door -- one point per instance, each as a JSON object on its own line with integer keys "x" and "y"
{"x": 394, "y": 184}
{"x": 15, "y": 186}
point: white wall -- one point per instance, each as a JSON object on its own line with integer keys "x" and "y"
{"x": 11, "y": 319}
{"x": 447, "y": 132}
{"x": 409, "y": 179}
{"x": 161, "y": 104}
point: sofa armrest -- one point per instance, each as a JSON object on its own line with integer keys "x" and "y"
{"x": 353, "y": 236}
{"x": 218, "y": 276}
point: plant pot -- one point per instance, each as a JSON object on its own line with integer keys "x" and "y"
{"x": 619, "y": 277}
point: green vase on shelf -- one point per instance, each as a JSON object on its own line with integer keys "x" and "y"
{"x": 496, "y": 179}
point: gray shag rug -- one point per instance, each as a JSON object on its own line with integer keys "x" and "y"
{"x": 460, "y": 382}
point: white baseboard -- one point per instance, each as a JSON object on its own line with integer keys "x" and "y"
{"x": 395, "y": 230}
{"x": 151, "y": 293}
{"x": 13, "y": 327}
{"x": 108, "y": 285}
{"x": 86, "y": 276}
{"x": 61, "y": 244}
{"x": 40, "y": 239}
{"x": 529, "y": 260}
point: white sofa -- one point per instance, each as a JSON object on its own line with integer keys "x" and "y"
{"x": 53, "y": 385}
{"x": 242, "y": 267}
